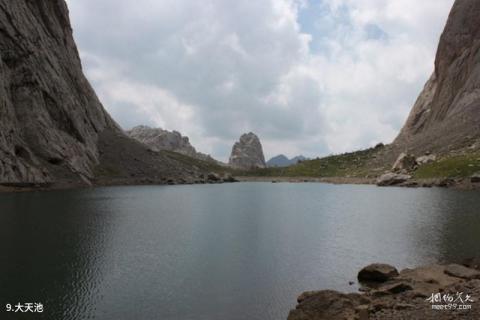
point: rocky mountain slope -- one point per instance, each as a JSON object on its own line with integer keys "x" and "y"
{"x": 53, "y": 128}
{"x": 446, "y": 116}
{"x": 158, "y": 139}
{"x": 247, "y": 153}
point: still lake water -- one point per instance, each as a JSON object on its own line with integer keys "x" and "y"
{"x": 216, "y": 252}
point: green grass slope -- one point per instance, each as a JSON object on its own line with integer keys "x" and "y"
{"x": 458, "y": 166}
{"x": 360, "y": 164}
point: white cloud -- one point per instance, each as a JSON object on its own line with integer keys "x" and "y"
{"x": 371, "y": 84}
{"x": 214, "y": 69}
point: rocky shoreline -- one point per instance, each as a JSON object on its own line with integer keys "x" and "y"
{"x": 332, "y": 180}
{"x": 460, "y": 183}
{"x": 437, "y": 292}
{"x": 211, "y": 178}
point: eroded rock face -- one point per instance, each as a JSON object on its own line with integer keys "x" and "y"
{"x": 446, "y": 115}
{"x": 49, "y": 115}
{"x": 158, "y": 139}
{"x": 247, "y": 153}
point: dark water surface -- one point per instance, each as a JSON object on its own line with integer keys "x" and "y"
{"x": 216, "y": 252}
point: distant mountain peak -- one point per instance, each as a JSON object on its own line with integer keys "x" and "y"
{"x": 282, "y": 161}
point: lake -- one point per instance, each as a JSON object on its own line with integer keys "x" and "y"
{"x": 240, "y": 251}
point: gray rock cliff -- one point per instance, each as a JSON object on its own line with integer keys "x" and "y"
{"x": 53, "y": 128}
{"x": 446, "y": 115}
{"x": 247, "y": 153}
{"x": 158, "y": 139}
{"x": 50, "y": 116}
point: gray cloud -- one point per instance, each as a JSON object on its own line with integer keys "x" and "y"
{"x": 214, "y": 69}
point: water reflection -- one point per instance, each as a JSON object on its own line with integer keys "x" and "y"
{"x": 51, "y": 244}
{"x": 242, "y": 251}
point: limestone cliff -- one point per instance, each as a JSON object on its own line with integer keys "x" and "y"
{"x": 446, "y": 115}
{"x": 247, "y": 153}
{"x": 49, "y": 115}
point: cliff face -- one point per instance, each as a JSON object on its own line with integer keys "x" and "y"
{"x": 53, "y": 128}
{"x": 159, "y": 139}
{"x": 247, "y": 153}
{"x": 50, "y": 117}
{"x": 446, "y": 115}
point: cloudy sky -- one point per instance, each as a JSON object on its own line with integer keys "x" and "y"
{"x": 310, "y": 77}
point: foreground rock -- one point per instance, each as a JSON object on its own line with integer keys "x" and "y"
{"x": 410, "y": 294}
{"x": 377, "y": 273}
{"x": 475, "y": 178}
{"x": 392, "y": 179}
{"x": 247, "y": 153}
